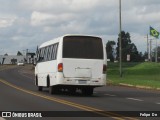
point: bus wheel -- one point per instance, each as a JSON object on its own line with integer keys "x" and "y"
{"x": 36, "y": 81}
{"x": 48, "y": 81}
{"x": 87, "y": 91}
{"x": 40, "y": 88}
{"x": 53, "y": 90}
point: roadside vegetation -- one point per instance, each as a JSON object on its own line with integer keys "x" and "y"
{"x": 145, "y": 74}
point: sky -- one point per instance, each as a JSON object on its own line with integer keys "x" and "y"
{"x": 25, "y": 24}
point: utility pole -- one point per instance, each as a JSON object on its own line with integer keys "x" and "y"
{"x": 27, "y": 55}
{"x": 120, "y": 40}
{"x": 156, "y": 52}
{"x": 151, "y": 50}
{"x": 147, "y": 48}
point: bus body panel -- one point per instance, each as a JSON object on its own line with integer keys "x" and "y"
{"x": 46, "y": 69}
{"x": 82, "y": 68}
{"x": 76, "y": 72}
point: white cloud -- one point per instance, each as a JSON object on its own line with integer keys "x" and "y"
{"x": 41, "y": 18}
{"x": 48, "y": 29}
{"x": 6, "y": 22}
{"x": 61, "y": 6}
{"x": 38, "y": 18}
{"x": 82, "y": 5}
{"x": 140, "y": 16}
{"x": 17, "y": 38}
{"x": 53, "y": 6}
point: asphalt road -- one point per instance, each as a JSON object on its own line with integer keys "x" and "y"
{"x": 18, "y": 93}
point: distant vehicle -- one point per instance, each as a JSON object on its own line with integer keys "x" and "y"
{"x": 71, "y": 62}
{"x": 20, "y": 63}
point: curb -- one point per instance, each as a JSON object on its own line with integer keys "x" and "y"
{"x": 140, "y": 87}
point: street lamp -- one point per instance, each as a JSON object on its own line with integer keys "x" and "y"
{"x": 120, "y": 40}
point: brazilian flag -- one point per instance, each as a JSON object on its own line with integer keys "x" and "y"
{"x": 154, "y": 32}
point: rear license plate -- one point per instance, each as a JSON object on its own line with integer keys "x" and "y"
{"x": 82, "y": 82}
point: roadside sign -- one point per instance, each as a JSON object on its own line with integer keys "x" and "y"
{"x": 128, "y": 57}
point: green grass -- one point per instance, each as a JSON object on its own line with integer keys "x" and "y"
{"x": 142, "y": 74}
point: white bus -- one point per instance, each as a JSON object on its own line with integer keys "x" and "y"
{"x": 71, "y": 62}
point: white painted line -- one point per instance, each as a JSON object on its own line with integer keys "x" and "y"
{"x": 26, "y": 76}
{"x": 158, "y": 103}
{"x": 135, "y": 99}
{"x": 110, "y": 95}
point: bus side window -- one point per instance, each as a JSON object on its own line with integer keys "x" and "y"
{"x": 51, "y": 52}
{"x": 56, "y": 47}
{"x": 41, "y": 57}
{"x": 46, "y": 53}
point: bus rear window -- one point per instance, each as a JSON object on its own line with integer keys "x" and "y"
{"x": 82, "y": 47}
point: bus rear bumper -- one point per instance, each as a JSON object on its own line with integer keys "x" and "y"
{"x": 83, "y": 82}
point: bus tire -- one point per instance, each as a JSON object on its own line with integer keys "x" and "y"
{"x": 36, "y": 81}
{"x": 51, "y": 90}
{"x": 48, "y": 81}
{"x": 40, "y": 88}
{"x": 54, "y": 90}
{"x": 87, "y": 91}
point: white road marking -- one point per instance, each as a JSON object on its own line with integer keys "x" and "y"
{"x": 158, "y": 103}
{"x": 110, "y": 95}
{"x": 25, "y": 75}
{"x": 135, "y": 99}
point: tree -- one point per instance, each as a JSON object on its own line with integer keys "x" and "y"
{"x": 142, "y": 57}
{"x": 135, "y": 57}
{"x": 125, "y": 45}
{"x": 145, "y": 56}
{"x": 128, "y": 48}
{"x": 19, "y": 53}
{"x": 109, "y": 50}
{"x": 158, "y": 54}
{"x": 6, "y": 54}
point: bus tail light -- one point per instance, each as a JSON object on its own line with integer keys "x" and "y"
{"x": 60, "y": 67}
{"x": 104, "y": 69}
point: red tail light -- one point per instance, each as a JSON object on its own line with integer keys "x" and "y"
{"x": 60, "y": 67}
{"x": 104, "y": 69}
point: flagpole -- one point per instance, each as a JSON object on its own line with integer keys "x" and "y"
{"x": 156, "y": 52}
{"x": 155, "y": 34}
{"x": 150, "y": 50}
